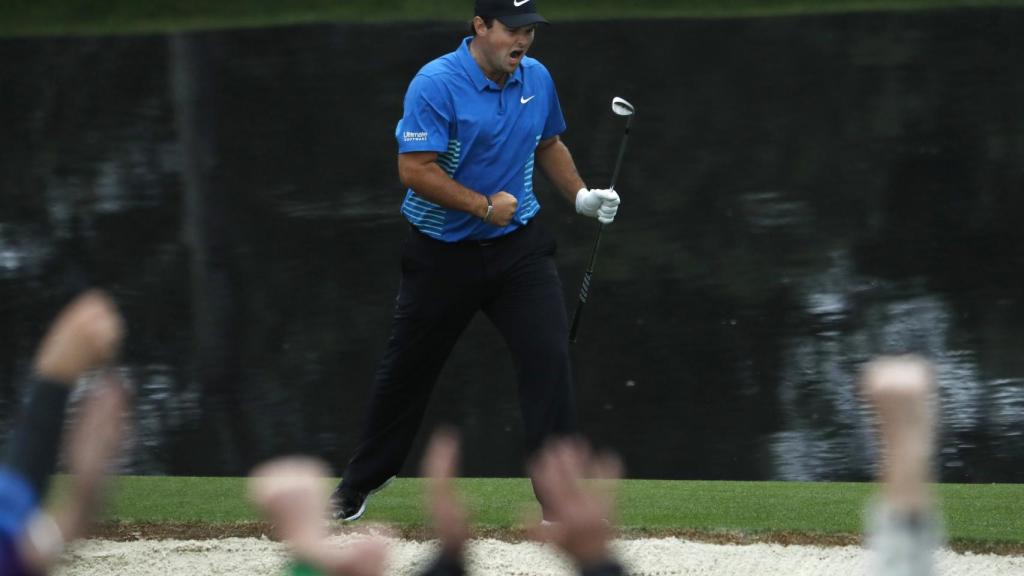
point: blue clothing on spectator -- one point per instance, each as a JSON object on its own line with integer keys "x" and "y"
{"x": 17, "y": 503}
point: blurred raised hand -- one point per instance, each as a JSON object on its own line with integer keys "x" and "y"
{"x": 901, "y": 391}
{"x": 292, "y": 494}
{"x": 86, "y": 335}
{"x": 580, "y": 510}
{"x": 903, "y": 529}
{"x": 448, "y": 515}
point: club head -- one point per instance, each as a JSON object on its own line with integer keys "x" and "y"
{"x": 621, "y": 107}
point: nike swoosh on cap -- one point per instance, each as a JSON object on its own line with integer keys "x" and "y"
{"x": 519, "y": 3}
{"x": 525, "y": 100}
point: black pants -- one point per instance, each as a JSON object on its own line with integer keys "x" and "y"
{"x": 514, "y": 281}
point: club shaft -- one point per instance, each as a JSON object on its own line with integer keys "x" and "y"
{"x": 622, "y": 153}
{"x": 585, "y": 288}
{"x": 589, "y": 274}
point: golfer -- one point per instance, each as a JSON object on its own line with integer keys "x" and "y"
{"x": 476, "y": 122}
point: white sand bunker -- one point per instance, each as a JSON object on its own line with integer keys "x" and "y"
{"x": 649, "y": 557}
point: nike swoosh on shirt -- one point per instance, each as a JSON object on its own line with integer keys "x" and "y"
{"x": 525, "y": 100}
{"x": 519, "y": 3}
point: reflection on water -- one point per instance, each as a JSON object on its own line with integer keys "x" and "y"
{"x": 839, "y": 187}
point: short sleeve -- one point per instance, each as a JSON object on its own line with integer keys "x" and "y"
{"x": 555, "y": 123}
{"x": 424, "y": 126}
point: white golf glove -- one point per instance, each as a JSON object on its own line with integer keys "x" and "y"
{"x": 597, "y": 203}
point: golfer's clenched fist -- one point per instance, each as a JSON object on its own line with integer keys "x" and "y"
{"x": 504, "y": 207}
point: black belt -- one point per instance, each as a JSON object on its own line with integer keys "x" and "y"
{"x": 472, "y": 242}
{"x": 498, "y": 239}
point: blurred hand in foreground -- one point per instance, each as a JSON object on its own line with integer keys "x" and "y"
{"x": 903, "y": 528}
{"x": 292, "y": 494}
{"x": 901, "y": 390}
{"x": 85, "y": 335}
{"x": 440, "y": 466}
{"x": 580, "y": 510}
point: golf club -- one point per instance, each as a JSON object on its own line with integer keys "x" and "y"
{"x": 621, "y": 108}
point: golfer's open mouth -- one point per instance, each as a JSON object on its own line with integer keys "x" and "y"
{"x": 517, "y": 55}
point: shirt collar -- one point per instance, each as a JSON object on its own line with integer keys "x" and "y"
{"x": 476, "y": 74}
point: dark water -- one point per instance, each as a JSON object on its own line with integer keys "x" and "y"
{"x": 800, "y": 195}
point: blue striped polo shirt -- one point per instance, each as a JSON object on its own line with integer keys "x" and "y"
{"x": 485, "y": 137}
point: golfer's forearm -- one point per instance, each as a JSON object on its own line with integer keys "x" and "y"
{"x": 556, "y": 162}
{"x": 430, "y": 182}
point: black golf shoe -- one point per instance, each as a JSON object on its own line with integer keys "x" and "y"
{"x": 349, "y": 505}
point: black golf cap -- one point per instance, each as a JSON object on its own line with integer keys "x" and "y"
{"x": 511, "y": 13}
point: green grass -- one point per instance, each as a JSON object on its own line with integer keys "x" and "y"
{"x": 33, "y": 17}
{"x": 980, "y": 513}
